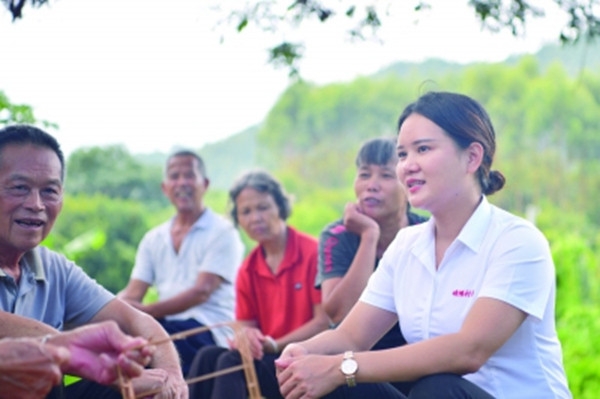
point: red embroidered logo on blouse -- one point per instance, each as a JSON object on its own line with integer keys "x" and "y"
{"x": 463, "y": 293}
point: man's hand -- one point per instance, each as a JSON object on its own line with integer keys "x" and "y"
{"x": 163, "y": 357}
{"x": 357, "y": 222}
{"x": 28, "y": 368}
{"x": 160, "y": 385}
{"x": 99, "y": 350}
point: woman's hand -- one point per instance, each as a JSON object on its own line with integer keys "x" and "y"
{"x": 357, "y": 222}
{"x": 256, "y": 341}
{"x": 290, "y": 353}
{"x": 307, "y": 376}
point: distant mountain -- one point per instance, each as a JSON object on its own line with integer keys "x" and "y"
{"x": 225, "y": 159}
{"x": 432, "y": 67}
{"x": 228, "y": 158}
{"x": 574, "y": 58}
{"x": 154, "y": 158}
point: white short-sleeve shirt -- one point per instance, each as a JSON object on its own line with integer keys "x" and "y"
{"x": 496, "y": 255}
{"x": 212, "y": 245}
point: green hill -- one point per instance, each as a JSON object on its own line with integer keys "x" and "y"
{"x": 227, "y": 159}
{"x": 312, "y": 126}
{"x": 432, "y": 67}
{"x": 574, "y": 58}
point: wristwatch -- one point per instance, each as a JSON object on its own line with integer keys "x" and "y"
{"x": 349, "y": 367}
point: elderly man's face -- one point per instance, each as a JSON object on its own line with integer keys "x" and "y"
{"x": 183, "y": 184}
{"x": 30, "y": 196}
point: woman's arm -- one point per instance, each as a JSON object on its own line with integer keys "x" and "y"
{"x": 488, "y": 325}
{"x": 341, "y": 293}
{"x": 317, "y": 324}
{"x": 351, "y": 334}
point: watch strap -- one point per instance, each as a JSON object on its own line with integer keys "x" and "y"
{"x": 350, "y": 378}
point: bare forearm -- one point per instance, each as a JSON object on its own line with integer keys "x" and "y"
{"x": 177, "y": 304}
{"x": 447, "y": 354}
{"x": 405, "y": 363}
{"x": 489, "y": 324}
{"x": 136, "y": 323}
{"x": 346, "y": 292}
{"x": 328, "y": 342}
{"x": 351, "y": 334}
{"x": 16, "y": 326}
{"x": 165, "y": 356}
{"x": 313, "y": 327}
{"x": 134, "y": 292}
{"x": 200, "y": 292}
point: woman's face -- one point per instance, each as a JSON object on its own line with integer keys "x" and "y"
{"x": 258, "y": 215}
{"x": 379, "y": 193}
{"x": 435, "y": 171}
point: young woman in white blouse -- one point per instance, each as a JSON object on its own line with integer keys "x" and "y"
{"x": 473, "y": 288}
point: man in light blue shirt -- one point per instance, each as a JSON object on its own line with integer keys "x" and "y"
{"x": 45, "y": 292}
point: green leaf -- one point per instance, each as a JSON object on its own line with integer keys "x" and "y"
{"x": 242, "y": 24}
{"x": 90, "y": 240}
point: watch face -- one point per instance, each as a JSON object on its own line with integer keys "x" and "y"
{"x": 349, "y": 366}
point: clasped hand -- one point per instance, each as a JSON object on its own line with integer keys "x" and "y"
{"x": 305, "y": 376}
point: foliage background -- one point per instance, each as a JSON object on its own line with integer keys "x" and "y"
{"x": 545, "y": 109}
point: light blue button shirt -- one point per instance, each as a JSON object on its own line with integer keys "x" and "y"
{"x": 52, "y": 290}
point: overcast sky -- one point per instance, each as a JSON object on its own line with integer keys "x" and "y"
{"x": 154, "y": 74}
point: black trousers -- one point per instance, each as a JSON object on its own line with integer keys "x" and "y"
{"x": 436, "y": 386}
{"x": 187, "y": 347}
{"x": 232, "y": 385}
{"x": 84, "y": 389}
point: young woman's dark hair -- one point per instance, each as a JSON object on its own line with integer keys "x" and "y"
{"x": 465, "y": 121}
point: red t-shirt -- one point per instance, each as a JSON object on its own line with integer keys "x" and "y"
{"x": 281, "y": 302}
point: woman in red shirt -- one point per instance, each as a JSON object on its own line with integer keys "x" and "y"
{"x": 276, "y": 300}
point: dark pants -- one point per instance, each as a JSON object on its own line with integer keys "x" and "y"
{"x": 232, "y": 385}
{"x": 436, "y": 386}
{"x": 84, "y": 389}
{"x": 187, "y": 347}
